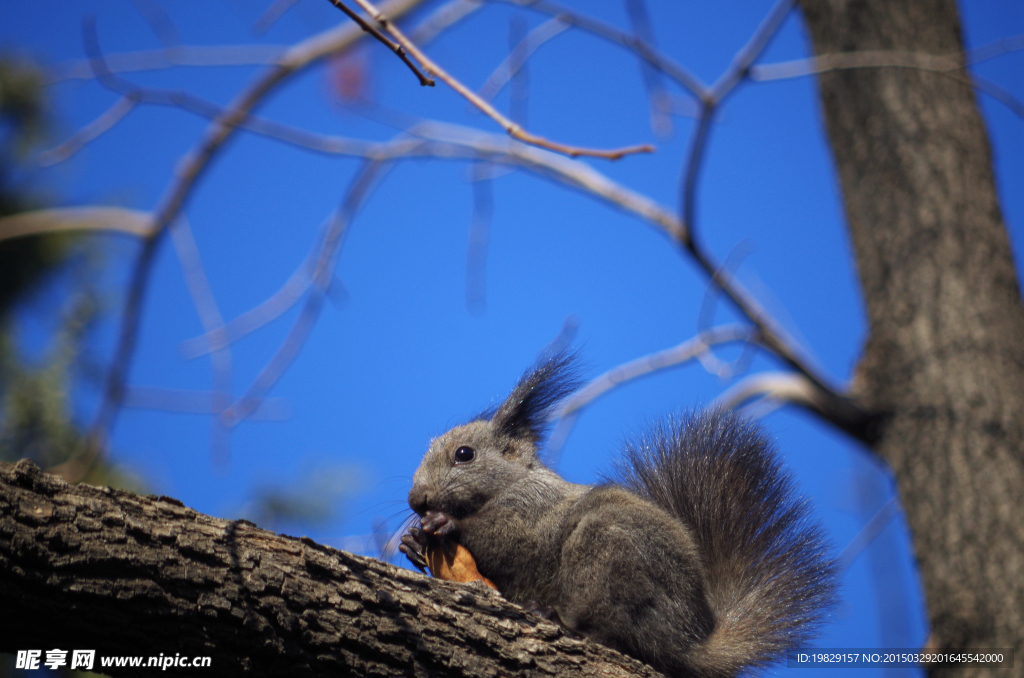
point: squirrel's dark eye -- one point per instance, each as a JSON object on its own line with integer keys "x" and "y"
{"x": 464, "y": 455}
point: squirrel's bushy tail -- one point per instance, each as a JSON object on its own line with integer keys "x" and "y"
{"x": 769, "y": 579}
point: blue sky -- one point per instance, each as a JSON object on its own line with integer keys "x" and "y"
{"x": 396, "y": 357}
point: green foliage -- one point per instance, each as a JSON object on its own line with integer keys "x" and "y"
{"x": 24, "y": 262}
{"x": 36, "y": 412}
{"x": 35, "y": 408}
{"x": 22, "y": 104}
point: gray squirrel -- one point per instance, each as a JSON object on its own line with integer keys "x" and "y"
{"x": 697, "y": 560}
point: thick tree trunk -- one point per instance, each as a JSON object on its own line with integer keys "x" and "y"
{"x": 944, "y": 358}
{"x": 85, "y": 568}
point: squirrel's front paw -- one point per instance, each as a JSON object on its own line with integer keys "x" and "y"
{"x": 418, "y": 542}
{"x": 414, "y": 546}
{"x": 437, "y": 524}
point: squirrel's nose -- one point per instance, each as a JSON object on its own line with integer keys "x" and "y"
{"x": 418, "y": 497}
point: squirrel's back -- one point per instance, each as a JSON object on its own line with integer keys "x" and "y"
{"x": 769, "y": 580}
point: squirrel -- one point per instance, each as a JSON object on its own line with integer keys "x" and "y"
{"x": 697, "y": 559}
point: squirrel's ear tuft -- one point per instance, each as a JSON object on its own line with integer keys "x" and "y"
{"x": 526, "y": 412}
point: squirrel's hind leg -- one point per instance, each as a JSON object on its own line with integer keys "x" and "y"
{"x": 630, "y": 578}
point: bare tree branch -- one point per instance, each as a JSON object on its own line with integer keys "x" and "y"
{"x": 660, "y": 103}
{"x": 114, "y": 219}
{"x": 159, "y": 22}
{"x": 951, "y": 66}
{"x": 725, "y": 84}
{"x": 868, "y": 533}
{"x": 514, "y": 130}
{"x": 886, "y": 58}
{"x": 771, "y": 335}
{"x": 113, "y": 115}
{"x": 479, "y": 234}
{"x": 210, "y": 316}
{"x": 994, "y": 49}
{"x": 159, "y": 59}
{"x": 798, "y": 389}
{"x": 270, "y": 16}
{"x": 197, "y": 402}
{"x": 518, "y": 57}
{"x": 741, "y": 63}
{"x": 443, "y": 17}
{"x": 781, "y": 386}
{"x": 690, "y": 349}
{"x": 631, "y": 42}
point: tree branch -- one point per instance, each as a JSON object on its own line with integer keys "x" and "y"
{"x": 513, "y": 129}
{"x": 691, "y": 349}
{"x": 394, "y": 47}
{"x": 93, "y": 568}
{"x": 631, "y": 42}
{"x": 797, "y": 389}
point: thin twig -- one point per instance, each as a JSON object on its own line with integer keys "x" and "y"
{"x": 868, "y": 533}
{"x": 997, "y": 92}
{"x": 514, "y": 130}
{"x": 442, "y": 18}
{"x": 197, "y": 402}
{"x": 706, "y": 314}
{"x": 206, "y": 109}
{"x": 518, "y": 57}
{"x": 212, "y": 321}
{"x": 396, "y": 48}
{"x": 631, "y": 42}
{"x": 661, "y": 120}
{"x": 886, "y": 58}
{"x": 998, "y": 48}
{"x": 159, "y": 22}
{"x": 519, "y": 90}
{"x": 691, "y": 171}
{"x": 725, "y": 84}
{"x": 271, "y": 15}
{"x": 743, "y": 60}
{"x": 863, "y": 59}
{"x": 946, "y": 65}
{"x": 479, "y": 235}
{"x": 158, "y": 59}
{"x": 113, "y": 115}
{"x": 563, "y": 340}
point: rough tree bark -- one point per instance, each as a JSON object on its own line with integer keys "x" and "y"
{"x": 944, "y": 359}
{"x": 93, "y": 568}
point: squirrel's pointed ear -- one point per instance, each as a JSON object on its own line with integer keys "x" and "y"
{"x": 526, "y": 412}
